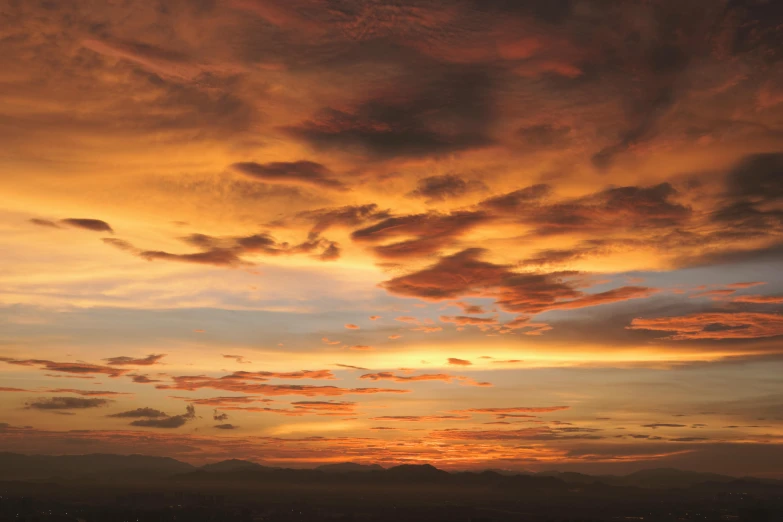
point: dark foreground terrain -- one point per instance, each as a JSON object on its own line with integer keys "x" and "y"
{"x": 97, "y": 488}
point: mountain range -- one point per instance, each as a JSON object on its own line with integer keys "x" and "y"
{"x": 130, "y": 468}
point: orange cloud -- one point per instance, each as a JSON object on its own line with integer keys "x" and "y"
{"x": 421, "y": 418}
{"x": 427, "y": 329}
{"x": 715, "y": 294}
{"x": 459, "y": 362}
{"x": 718, "y": 325}
{"x": 758, "y": 299}
{"x": 539, "y": 433}
{"x": 518, "y": 409}
{"x": 361, "y": 347}
{"x": 748, "y": 284}
{"x": 351, "y": 326}
{"x": 463, "y": 320}
{"x": 444, "y": 377}
{"x": 465, "y": 274}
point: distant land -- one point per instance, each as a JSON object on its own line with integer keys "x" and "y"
{"x": 130, "y": 468}
{"x": 116, "y": 488}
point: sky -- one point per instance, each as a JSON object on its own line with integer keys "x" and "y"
{"x": 473, "y": 233}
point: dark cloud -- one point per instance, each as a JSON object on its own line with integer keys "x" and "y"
{"x": 514, "y": 410}
{"x": 238, "y": 358}
{"x": 663, "y": 425}
{"x": 351, "y": 367}
{"x": 448, "y": 186}
{"x": 420, "y": 418}
{"x": 521, "y": 200}
{"x": 217, "y": 416}
{"x": 348, "y": 216}
{"x": 757, "y": 28}
{"x": 470, "y": 309}
{"x": 143, "y": 379}
{"x": 729, "y": 255}
{"x": 44, "y": 223}
{"x": 229, "y": 251}
{"x": 431, "y": 233}
{"x": 612, "y": 209}
{"x": 86, "y": 393}
{"x": 330, "y": 253}
{"x": 223, "y": 401}
{"x": 542, "y": 433}
{"x": 296, "y": 173}
{"x": 549, "y": 11}
{"x": 544, "y": 136}
{"x": 433, "y": 113}
{"x": 66, "y": 367}
{"x": 248, "y": 382}
{"x": 629, "y": 208}
{"x": 163, "y": 62}
{"x": 560, "y": 256}
{"x": 225, "y": 427}
{"x": 753, "y": 193}
{"x": 167, "y": 422}
{"x": 217, "y": 257}
{"x": 325, "y": 407}
{"x": 658, "y": 63}
{"x": 134, "y": 361}
{"x": 67, "y": 403}
{"x": 443, "y": 377}
{"x": 140, "y": 413}
{"x": 95, "y": 225}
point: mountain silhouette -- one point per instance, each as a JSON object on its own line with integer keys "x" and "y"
{"x": 348, "y": 467}
{"x": 142, "y": 468}
{"x": 14, "y": 466}
{"x": 231, "y": 465}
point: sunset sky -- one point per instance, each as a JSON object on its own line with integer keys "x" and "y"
{"x": 473, "y": 233}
